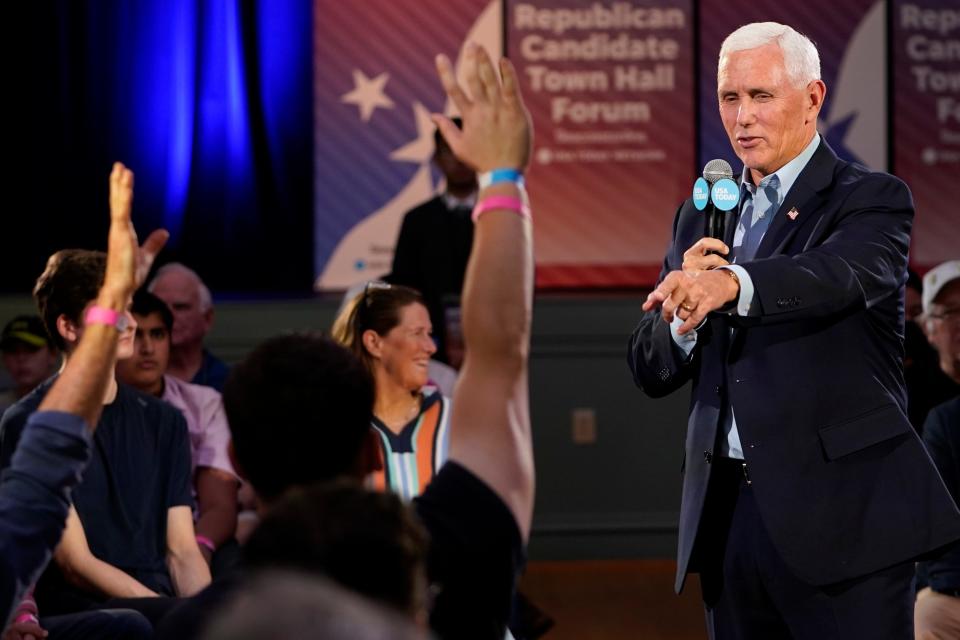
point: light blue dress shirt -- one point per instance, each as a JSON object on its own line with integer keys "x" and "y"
{"x": 758, "y": 205}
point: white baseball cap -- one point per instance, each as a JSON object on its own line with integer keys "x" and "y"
{"x": 936, "y": 279}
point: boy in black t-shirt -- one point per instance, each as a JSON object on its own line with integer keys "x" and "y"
{"x": 130, "y": 532}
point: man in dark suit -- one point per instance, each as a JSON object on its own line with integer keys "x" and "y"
{"x": 806, "y": 493}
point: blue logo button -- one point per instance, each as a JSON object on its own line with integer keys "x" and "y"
{"x": 701, "y": 194}
{"x": 725, "y": 194}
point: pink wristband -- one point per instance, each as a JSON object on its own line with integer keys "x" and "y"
{"x": 102, "y": 315}
{"x": 508, "y": 203}
{"x": 206, "y": 543}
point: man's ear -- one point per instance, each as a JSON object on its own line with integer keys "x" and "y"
{"x": 926, "y": 323}
{"x": 816, "y": 93}
{"x": 68, "y": 330}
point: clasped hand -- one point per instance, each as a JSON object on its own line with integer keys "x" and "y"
{"x": 696, "y": 290}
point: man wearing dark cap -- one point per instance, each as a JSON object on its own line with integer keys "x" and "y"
{"x": 28, "y": 356}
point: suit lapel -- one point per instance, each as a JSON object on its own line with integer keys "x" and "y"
{"x": 802, "y": 202}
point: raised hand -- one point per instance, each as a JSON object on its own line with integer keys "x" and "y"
{"x": 497, "y": 132}
{"x": 127, "y": 264}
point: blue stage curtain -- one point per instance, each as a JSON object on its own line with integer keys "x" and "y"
{"x": 209, "y": 101}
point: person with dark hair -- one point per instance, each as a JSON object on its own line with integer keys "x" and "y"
{"x": 388, "y": 328}
{"x": 56, "y": 443}
{"x": 215, "y": 483}
{"x": 433, "y": 247}
{"x": 28, "y": 355}
{"x": 320, "y": 415}
{"x": 129, "y": 533}
{"x": 299, "y": 406}
{"x": 367, "y": 541}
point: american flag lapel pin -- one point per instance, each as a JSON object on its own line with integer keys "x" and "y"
{"x": 793, "y": 213}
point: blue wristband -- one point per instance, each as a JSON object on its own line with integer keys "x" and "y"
{"x": 500, "y": 175}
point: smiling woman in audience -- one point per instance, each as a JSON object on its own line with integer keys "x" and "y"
{"x": 388, "y": 327}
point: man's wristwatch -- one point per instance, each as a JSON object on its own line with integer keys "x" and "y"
{"x": 103, "y": 315}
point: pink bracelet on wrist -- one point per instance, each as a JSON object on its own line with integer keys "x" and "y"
{"x": 206, "y": 543}
{"x": 508, "y": 203}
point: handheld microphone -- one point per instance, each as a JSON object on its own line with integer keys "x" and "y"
{"x": 715, "y": 193}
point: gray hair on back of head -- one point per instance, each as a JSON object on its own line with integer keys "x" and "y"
{"x": 800, "y": 56}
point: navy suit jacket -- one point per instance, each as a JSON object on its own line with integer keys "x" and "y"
{"x": 815, "y": 376}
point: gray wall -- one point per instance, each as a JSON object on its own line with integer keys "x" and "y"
{"x": 615, "y": 497}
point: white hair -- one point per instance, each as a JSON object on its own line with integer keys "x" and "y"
{"x": 206, "y": 300}
{"x": 800, "y": 56}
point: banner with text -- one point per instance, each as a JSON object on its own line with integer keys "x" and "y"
{"x": 926, "y": 122}
{"x": 610, "y": 89}
{"x": 375, "y": 86}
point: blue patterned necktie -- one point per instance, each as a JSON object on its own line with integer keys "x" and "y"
{"x": 763, "y": 207}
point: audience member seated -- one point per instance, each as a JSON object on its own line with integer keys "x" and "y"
{"x": 937, "y": 611}
{"x": 215, "y": 483}
{"x": 388, "y": 328}
{"x": 288, "y": 605}
{"x": 299, "y": 406}
{"x": 369, "y": 542}
{"x": 192, "y": 305}
{"x": 129, "y": 533}
{"x": 941, "y": 323}
{"x": 434, "y": 245}
{"x": 56, "y": 445}
{"x": 28, "y": 357}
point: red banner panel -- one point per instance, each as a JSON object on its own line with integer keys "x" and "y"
{"x": 926, "y": 118}
{"x": 610, "y": 89}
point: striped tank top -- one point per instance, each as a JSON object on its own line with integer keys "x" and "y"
{"x": 412, "y": 457}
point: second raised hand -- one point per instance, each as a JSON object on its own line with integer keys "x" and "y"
{"x": 497, "y": 130}
{"x": 127, "y": 264}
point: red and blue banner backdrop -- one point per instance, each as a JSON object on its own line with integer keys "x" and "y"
{"x": 926, "y": 122}
{"x": 610, "y": 89}
{"x": 374, "y": 89}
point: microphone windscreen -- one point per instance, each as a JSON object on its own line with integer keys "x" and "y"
{"x": 716, "y": 169}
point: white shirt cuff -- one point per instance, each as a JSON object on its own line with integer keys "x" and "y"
{"x": 746, "y": 288}
{"x": 686, "y": 342}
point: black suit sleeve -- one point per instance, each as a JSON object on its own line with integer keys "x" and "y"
{"x": 658, "y": 365}
{"x": 861, "y": 260}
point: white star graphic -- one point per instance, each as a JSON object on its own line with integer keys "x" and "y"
{"x": 420, "y": 149}
{"x": 368, "y": 94}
